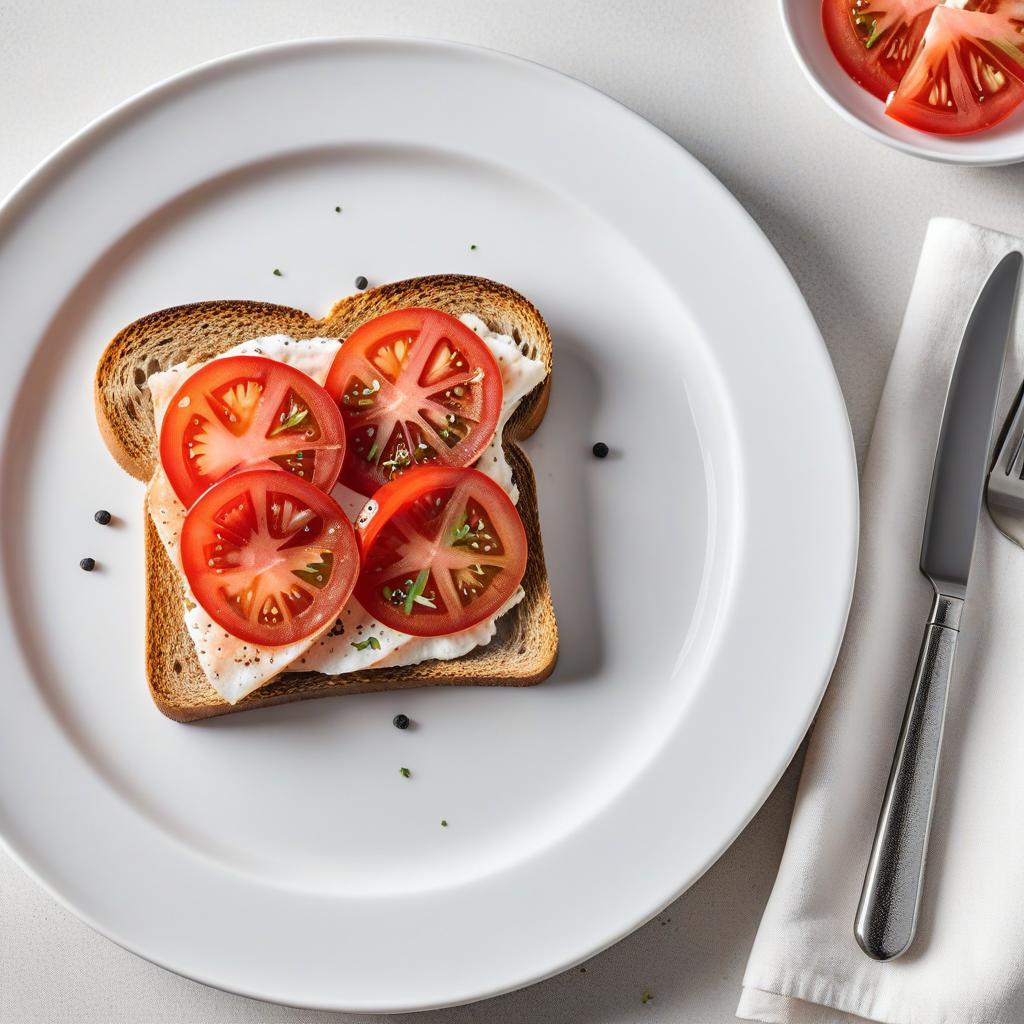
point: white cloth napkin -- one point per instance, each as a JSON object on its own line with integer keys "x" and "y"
{"x": 967, "y": 963}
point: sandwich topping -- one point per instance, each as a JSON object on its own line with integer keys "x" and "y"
{"x": 415, "y": 387}
{"x": 445, "y": 549}
{"x": 249, "y": 412}
{"x": 272, "y": 559}
{"x": 347, "y": 636}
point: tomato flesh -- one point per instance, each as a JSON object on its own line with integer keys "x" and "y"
{"x": 249, "y": 412}
{"x": 875, "y": 40}
{"x": 444, "y": 549}
{"x": 270, "y": 558}
{"x": 415, "y": 387}
{"x": 967, "y": 75}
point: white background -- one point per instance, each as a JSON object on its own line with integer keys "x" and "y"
{"x": 847, "y": 216}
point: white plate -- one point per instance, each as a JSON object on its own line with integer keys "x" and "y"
{"x": 701, "y": 574}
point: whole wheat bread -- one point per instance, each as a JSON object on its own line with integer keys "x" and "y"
{"x": 526, "y": 646}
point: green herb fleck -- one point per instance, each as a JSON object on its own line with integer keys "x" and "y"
{"x": 460, "y": 532}
{"x": 387, "y": 592}
{"x": 645, "y": 997}
{"x": 401, "y": 459}
{"x": 415, "y": 591}
{"x": 444, "y": 824}
{"x": 372, "y": 453}
{"x": 316, "y": 573}
{"x": 371, "y": 641}
{"x": 277, "y": 272}
{"x": 472, "y": 248}
{"x": 337, "y": 209}
{"x": 874, "y": 34}
{"x": 404, "y": 772}
{"x": 295, "y": 417}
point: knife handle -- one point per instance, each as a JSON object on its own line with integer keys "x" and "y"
{"x": 887, "y": 915}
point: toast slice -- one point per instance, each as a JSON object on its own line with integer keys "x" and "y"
{"x": 524, "y": 650}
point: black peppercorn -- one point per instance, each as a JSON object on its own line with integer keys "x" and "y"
{"x": 601, "y": 450}
{"x": 361, "y": 282}
{"x": 400, "y": 721}
{"x": 102, "y": 517}
{"x": 88, "y": 564}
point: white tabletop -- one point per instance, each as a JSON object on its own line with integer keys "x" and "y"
{"x": 847, "y": 216}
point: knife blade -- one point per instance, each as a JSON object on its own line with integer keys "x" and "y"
{"x": 961, "y": 456}
{"x": 888, "y": 911}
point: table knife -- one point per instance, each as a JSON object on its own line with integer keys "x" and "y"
{"x": 887, "y": 915}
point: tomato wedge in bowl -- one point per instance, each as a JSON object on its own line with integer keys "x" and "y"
{"x": 270, "y": 558}
{"x": 875, "y": 40}
{"x": 415, "y": 387}
{"x": 950, "y": 68}
{"x": 442, "y": 549}
{"x": 248, "y": 412}
{"x": 968, "y": 73}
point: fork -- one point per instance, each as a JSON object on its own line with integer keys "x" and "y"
{"x": 1005, "y": 490}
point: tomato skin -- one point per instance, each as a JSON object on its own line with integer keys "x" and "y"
{"x": 200, "y": 443}
{"x": 964, "y": 79}
{"x": 894, "y": 37}
{"x": 440, "y": 523}
{"x": 255, "y": 549}
{"x": 414, "y": 387}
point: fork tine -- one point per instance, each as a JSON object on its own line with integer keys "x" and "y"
{"x": 1016, "y": 467}
{"x": 1011, "y": 454}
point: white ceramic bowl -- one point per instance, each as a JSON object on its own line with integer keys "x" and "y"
{"x": 1003, "y": 144}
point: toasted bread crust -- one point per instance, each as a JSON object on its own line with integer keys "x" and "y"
{"x": 525, "y": 648}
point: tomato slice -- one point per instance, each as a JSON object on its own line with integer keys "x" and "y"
{"x": 968, "y": 73}
{"x": 444, "y": 549}
{"x": 270, "y": 557}
{"x": 248, "y": 412}
{"x": 875, "y": 40}
{"x": 415, "y": 387}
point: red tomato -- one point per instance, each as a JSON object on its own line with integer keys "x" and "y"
{"x": 444, "y": 550}
{"x": 875, "y": 40}
{"x": 269, "y": 557}
{"x": 415, "y": 387}
{"x": 968, "y": 73}
{"x": 247, "y": 412}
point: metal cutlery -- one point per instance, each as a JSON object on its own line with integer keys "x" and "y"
{"x": 887, "y": 915}
{"x": 1005, "y": 492}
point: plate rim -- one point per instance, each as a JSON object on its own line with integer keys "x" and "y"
{"x": 21, "y": 197}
